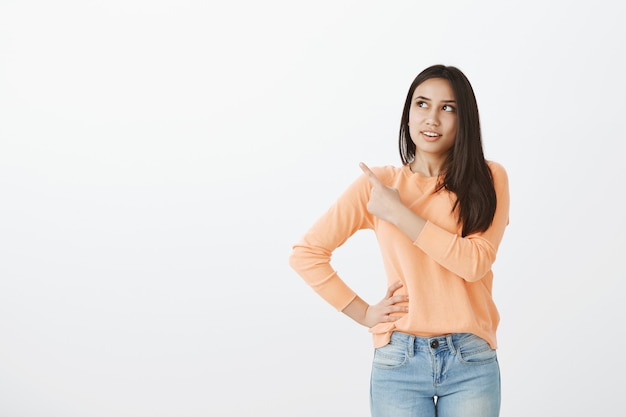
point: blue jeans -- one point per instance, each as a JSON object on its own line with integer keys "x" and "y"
{"x": 445, "y": 376}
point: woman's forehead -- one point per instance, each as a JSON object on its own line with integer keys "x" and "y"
{"x": 438, "y": 89}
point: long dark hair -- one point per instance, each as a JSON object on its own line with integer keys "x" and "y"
{"x": 465, "y": 171}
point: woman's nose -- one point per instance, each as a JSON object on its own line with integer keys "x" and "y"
{"x": 432, "y": 118}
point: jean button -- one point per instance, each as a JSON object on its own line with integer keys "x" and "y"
{"x": 434, "y": 344}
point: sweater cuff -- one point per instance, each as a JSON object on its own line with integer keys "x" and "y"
{"x": 336, "y": 292}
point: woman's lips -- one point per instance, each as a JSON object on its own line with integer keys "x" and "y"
{"x": 430, "y": 136}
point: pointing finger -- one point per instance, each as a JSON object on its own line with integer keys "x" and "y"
{"x": 372, "y": 177}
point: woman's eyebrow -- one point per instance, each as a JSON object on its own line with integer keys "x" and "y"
{"x": 427, "y": 99}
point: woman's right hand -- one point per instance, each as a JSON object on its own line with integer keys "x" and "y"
{"x": 388, "y": 309}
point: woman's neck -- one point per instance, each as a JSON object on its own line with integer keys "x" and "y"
{"x": 428, "y": 167}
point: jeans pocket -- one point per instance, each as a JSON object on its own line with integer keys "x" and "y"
{"x": 476, "y": 351}
{"x": 392, "y": 355}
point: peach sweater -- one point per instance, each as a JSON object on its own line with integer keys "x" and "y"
{"x": 448, "y": 278}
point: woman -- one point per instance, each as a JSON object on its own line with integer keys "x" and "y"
{"x": 439, "y": 219}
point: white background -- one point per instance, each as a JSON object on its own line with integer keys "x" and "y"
{"x": 159, "y": 158}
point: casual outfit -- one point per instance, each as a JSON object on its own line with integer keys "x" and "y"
{"x": 448, "y": 279}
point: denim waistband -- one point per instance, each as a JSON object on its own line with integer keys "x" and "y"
{"x": 449, "y": 342}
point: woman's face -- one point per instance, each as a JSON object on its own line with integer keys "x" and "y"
{"x": 433, "y": 118}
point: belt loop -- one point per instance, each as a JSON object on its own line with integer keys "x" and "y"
{"x": 411, "y": 346}
{"x": 451, "y": 344}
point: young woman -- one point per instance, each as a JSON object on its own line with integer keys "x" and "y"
{"x": 439, "y": 219}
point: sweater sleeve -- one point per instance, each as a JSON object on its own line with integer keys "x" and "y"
{"x": 470, "y": 257}
{"x": 311, "y": 255}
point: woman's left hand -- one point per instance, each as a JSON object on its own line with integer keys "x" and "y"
{"x": 384, "y": 200}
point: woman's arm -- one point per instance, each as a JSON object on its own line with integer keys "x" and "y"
{"x": 311, "y": 257}
{"x": 469, "y": 257}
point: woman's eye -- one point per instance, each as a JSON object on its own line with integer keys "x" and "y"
{"x": 448, "y": 107}
{"x": 421, "y": 104}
